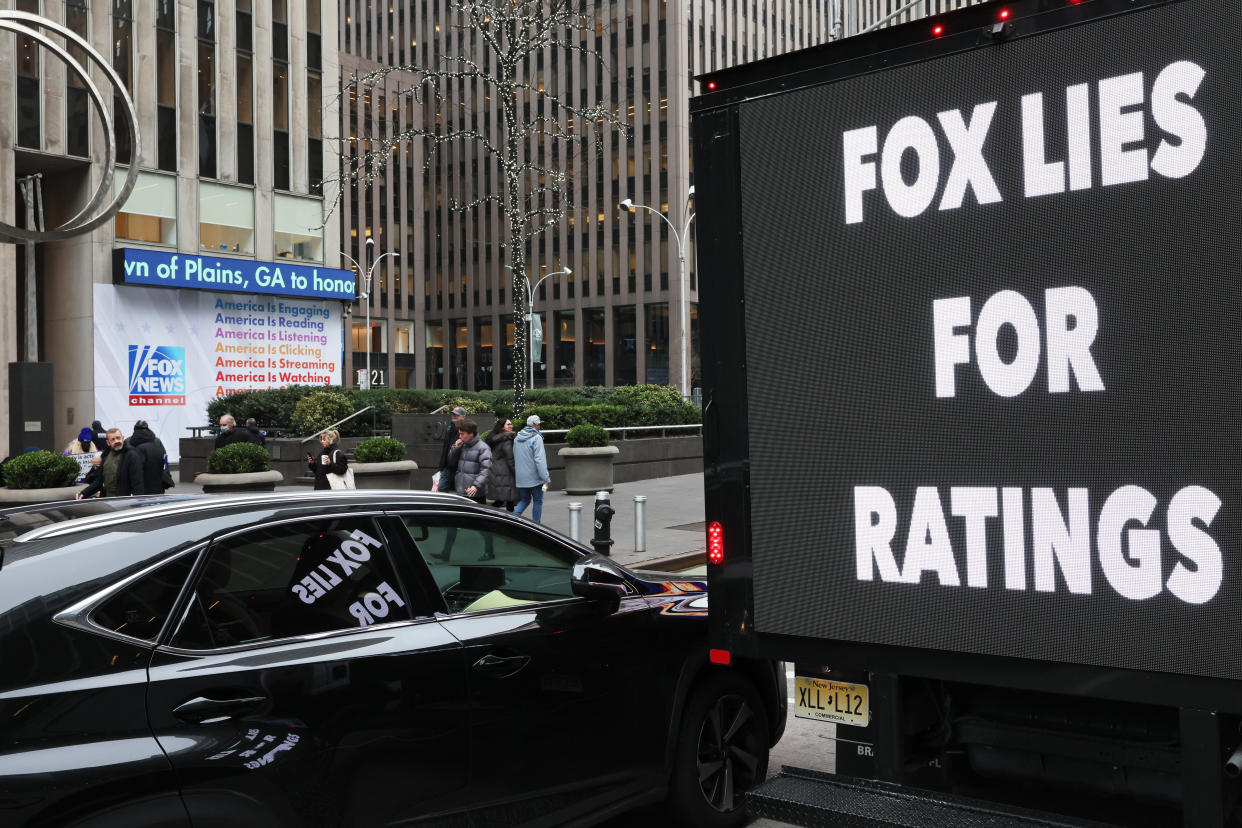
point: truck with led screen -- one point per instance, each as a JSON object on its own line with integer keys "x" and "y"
{"x": 973, "y": 401}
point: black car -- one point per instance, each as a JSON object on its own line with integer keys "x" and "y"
{"x": 355, "y": 658}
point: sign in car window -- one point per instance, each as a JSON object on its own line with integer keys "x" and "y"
{"x": 1006, "y": 282}
{"x": 160, "y": 268}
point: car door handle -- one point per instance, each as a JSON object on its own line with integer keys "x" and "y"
{"x": 501, "y": 666}
{"x": 202, "y": 709}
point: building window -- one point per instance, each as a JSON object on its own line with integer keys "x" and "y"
{"x": 149, "y": 215}
{"x": 656, "y": 342}
{"x": 625, "y": 346}
{"x": 461, "y": 345}
{"x": 29, "y": 97}
{"x": 245, "y": 93}
{"x": 123, "y": 63}
{"x": 298, "y": 225}
{"x": 566, "y": 348}
{"x": 280, "y": 96}
{"x": 434, "y": 350}
{"x": 403, "y": 337}
{"x": 206, "y": 89}
{"x": 77, "y": 100}
{"x": 314, "y": 131}
{"x": 358, "y": 334}
{"x": 484, "y": 370}
{"x": 595, "y": 346}
{"x": 166, "y": 84}
{"x": 225, "y": 219}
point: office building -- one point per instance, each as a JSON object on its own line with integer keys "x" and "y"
{"x": 230, "y": 96}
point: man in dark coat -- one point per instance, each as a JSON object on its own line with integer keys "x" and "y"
{"x": 154, "y": 458}
{"x": 100, "y": 438}
{"x": 120, "y": 470}
{"x": 260, "y": 436}
{"x": 444, "y": 481}
{"x": 230, "y": 433}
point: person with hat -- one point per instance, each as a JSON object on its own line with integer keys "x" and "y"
{"x": 84, "y": 443}
{"x": 155, "y": 475}
{"x": 530, "y": 467}
{"x": 444, "y": 478}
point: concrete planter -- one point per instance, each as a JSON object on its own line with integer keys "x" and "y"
{"x": 588, "y": 470}
{"x": 233, "y": 483}
{"x": 398, "y": 474}
{"x": 30, "y": 497}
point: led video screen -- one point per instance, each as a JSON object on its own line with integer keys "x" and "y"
{"x": 993, "y": 348}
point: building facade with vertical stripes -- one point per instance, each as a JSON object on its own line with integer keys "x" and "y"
{"x": 441, "y": 312}
{"x": 230, "y": 97}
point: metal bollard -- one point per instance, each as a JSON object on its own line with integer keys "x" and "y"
{"x": 603, "y": 523}
{"x": 640, "y": 523}
{"x": 575, "y": 520}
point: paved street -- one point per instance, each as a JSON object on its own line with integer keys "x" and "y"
{"x": 674, "y": 521}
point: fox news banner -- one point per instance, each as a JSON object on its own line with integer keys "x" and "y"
{"x": 1006, "y": 282}
{"x": 162, "y": 355}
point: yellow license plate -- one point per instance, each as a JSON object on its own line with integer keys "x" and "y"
{"x": 832, "y": 701}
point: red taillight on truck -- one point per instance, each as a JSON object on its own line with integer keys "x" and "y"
{"x": 715, "y": 542}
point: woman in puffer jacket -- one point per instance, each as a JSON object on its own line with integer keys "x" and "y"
{"x": 502, "y": 487}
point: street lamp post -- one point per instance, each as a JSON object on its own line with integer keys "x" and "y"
{"x": 681, "y": 238}
{"x": 366, "y": 297}
{"x": 530, "y": 319}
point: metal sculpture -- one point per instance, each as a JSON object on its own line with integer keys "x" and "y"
{"x": 89, "y": 217}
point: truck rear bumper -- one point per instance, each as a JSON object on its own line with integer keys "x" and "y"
{"x": 810, "y": 799}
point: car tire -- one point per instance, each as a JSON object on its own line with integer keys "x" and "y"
{"x": 721, "y": 751}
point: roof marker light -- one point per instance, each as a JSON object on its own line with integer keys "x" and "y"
{"x": 937, "y": 30}
{"x": 715, "y": 542}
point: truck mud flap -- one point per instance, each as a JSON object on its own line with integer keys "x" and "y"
{"x": 811, "y": 799}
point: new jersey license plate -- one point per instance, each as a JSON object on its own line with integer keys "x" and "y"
{"x": 832, "y": 701}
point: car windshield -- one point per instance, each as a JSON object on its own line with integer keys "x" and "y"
{"x": 22, "y": 519}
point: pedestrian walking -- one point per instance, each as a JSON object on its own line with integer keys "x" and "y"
{"x": 120, "y": 470}
{"x": 444, "y": 477}
{"x": 155, "y": 475}
{"x": 530, "y": 465}
{"x": 472, "y": 459}
{"x": 331, "y": 460}
{"x": 503, "y": 485}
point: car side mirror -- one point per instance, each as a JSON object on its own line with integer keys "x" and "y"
{"x": 598, "y": 581}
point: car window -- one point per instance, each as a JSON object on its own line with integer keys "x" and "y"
{"x": 141, "y": 609}
{"x": 293, "y": 579}
{"x": 477, "y": 566}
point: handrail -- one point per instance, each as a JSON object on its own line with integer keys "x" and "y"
{"x": 334, "y": 425}
{"x": 623, "y": 429}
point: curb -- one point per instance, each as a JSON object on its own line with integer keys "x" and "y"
{"x": 671, "y": 563}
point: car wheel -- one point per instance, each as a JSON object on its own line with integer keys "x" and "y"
{"x": 721, "y": 752}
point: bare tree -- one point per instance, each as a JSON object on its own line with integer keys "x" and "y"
{"x": 536, "y": 191}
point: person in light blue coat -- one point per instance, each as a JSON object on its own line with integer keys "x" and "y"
{"x": 530, "y": 466}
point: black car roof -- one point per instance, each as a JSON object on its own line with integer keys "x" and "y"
{"x": 26, "y": 524}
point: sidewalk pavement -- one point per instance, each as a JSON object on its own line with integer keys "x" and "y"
{"x": 675, "y": 534}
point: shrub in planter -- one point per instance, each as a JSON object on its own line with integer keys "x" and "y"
{"x": 320, "y": 410}
{"x": 40, "y": 470}
{"x": 648, "y": 405}
{"x": 380, "y": 450}
{"x": 586, "y": 435}
{"x": 239, "y": 458}
{"x": 473, "y": 405}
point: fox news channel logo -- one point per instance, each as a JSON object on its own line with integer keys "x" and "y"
{"x": 156, "y": 375}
